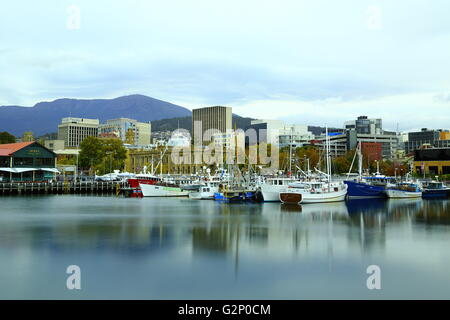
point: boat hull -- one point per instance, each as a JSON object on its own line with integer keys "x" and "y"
{"x": 201, "y": 195}
{"x": 135, "y": 182}
{"x": 363, "y": 190}
{"x": 335, "y": 196}
{"x": 431, "y": 194}
{"x": 149, "y": 190}
{"x": 402, "y": 194}
{"x": 291, "y": 197}
{"x": 272, "y": 193}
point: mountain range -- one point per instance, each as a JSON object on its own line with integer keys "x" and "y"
{"x": 44, "y": 117}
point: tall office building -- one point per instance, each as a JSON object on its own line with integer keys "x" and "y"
{"x": 217, "y": 118}
{"x": 128, "y": 130}
{"x": 74, "y": 130}
{"x": 364, "y": 125}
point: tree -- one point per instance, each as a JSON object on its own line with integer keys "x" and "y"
{"x": 6, "y": 137}
{"x": 91, "y": 152}
{"x": 102, "y": 155}
{"x": 114, "y": 154}
{"x": 308, "y": 152}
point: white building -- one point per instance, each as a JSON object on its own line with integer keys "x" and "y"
{"x": 123, "y": 127}
{"x": 276, "y": 131}
{"x": 74, "y": 130}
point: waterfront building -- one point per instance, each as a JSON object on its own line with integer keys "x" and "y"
{"x": 26, "y": 161}
{"x": 211, "y": 118}
{"x": 74, "y": 130}
{"x": 434, "y": 161}
{"x": 432, "y": 138}
{"x": 130, "y": 131}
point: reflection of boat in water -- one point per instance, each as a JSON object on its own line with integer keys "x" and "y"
{"x": 367, "y": 206}
{"x": 406, "y": 204}
{"x": 337, "y": 209}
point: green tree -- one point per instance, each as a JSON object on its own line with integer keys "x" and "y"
{"x": 102, "y": 155}
{"x": 6, "y": 137}
{"x": 91, "y": 153}
{"x": 114, "y": 154}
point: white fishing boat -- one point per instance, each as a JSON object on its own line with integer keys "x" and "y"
{"x": 316, "y": 191}
{"x": 404, "y": 190}
{"x": 162, "y": 190}
{"x": 272, "y": 187}
{"x": 205, "y": 192}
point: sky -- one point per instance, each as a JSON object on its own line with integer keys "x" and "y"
{"x": 319, "y": 62}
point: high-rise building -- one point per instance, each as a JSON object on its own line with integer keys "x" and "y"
{"x": 74, "y": 130}
{"x": 206, "y": 120}
{"x": 364, "y": 125}
{"x": 130, "y": 131}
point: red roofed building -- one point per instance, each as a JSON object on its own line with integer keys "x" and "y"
{"x": 26, "y": 161}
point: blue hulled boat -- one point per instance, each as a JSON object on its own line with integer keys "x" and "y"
{"x": 368, "y": 187}
{"x": 435, "y": 189}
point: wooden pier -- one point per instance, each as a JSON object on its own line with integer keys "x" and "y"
{"x": 83, "y": 187}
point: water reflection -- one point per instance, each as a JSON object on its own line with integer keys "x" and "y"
{"x": 210, "y": 226}
{"x": 254, "y": 232}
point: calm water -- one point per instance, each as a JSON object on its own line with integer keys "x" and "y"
{"x": 183, "y": 249}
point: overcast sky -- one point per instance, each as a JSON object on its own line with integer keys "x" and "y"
{"x": 311, "y": 62}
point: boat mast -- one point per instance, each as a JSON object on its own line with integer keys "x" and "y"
{"x": 327, "y": 150}
{"x": 360, "y": 161}
{"x": 290, "y": 154}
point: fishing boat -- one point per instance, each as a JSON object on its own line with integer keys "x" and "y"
{"x": 435, "y": 189}
{"x": 228, "y": 193}
{"x": 404, "y": 190}
{"x": 367, "y": 187}
{"x": 319, "y": 191}
{"x": 315, "y": 192}
{"x": 163, "y": 189}
{"x": 143, "y": 179}
{"x": 205, "y": 192}
{"x": 271, "y": 188}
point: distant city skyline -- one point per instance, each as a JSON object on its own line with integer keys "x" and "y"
{"x": 308, "y": 62}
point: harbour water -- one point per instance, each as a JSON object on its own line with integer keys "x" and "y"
{"x": 185, "y": 249}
